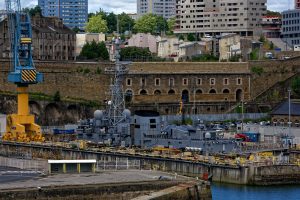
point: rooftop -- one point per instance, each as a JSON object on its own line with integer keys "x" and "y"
{"x": 283, "y": 109}
{"x": 189, "y": 68}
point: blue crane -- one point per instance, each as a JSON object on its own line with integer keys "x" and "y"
{"x": 20, "y": 35}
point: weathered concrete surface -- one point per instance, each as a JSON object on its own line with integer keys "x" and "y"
{"x": 188, "y": 190}
{"x": 109, "y": 185}
{"x": 98, "y": 178}
{"x": 93, "y": 192}
{"x": 277, "y": 175}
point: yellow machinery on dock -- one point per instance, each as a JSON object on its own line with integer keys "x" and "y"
{"x": 21, "y": 126}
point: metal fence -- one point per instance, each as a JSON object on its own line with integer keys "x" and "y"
{"x": 36, "y": 165}
{"x": 118, "y": 164}
{"x": 217, "y": 117}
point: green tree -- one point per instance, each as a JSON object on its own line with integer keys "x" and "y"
{"x": 96, "y": 24}
{"x": 103, "y": 52}
{"x": 257, "y": 70}
{"x": 161, "y": 25}
{"x": 191, "y": 37}
{"x": 33, "y": 11}
{"x": 146, "y": 24}
{"x": 126, "y": 23}
{"x": 151, "y": 24}
{"x": 181, "y": 37}
{"x": 94, "y": 50}
{"x": 254, "y": 55}
{"x": 56, "y": 96}
{"x": 171, "y": 25}
{"x": 76, "y": 29}
{"x": 111, "y": 20}
{"x": 134, "y": 53}
{"x": 296, "y": 85}
{"x": 273, "y": 13}
{"x": 262, "y": 39}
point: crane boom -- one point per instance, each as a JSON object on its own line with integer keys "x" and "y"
{"x": 21, "y": 126}
{"x": 20, "y": 35}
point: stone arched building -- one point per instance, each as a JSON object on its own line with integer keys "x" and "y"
{"x": 203, "y": 88}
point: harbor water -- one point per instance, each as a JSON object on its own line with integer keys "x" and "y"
{"x": 237, "y": 192}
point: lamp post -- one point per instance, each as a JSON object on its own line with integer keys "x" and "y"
{"x": 242, "y": 116}
{"x": 289, "y": 123}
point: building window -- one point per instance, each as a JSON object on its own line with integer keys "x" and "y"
{"x": 199, "y": 81}
{"x": 225, "y": 81}
{"x": 129, "y": 82}
{"x": 199, "y": 91}
{"x": 157, "y": 82}
{"x": 143, "y": 81}
{"x": 171, "y": 82}
{"x": 239, "y": 81}
{"x": 212, "y": 81}
{"x": 185, "y": 81}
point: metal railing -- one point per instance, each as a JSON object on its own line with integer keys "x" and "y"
{"x": 118, "y": 164}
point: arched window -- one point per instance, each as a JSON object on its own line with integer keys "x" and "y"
{"x": 199, "y": 91}
{"x": 157, "y": 92}
{"x": 143, "y": 92}
{"x": 225, "y": 91}
{"x": 171, "y": 92}
{"x": 212, "y": 91}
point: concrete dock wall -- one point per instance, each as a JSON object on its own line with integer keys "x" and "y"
{"x": 92, "y": 192}
{"x": 250, "y": 174}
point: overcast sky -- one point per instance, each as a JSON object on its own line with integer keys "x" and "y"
{"x": 129, "y": 6}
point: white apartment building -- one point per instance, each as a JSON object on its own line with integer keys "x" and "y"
{"x": 164, "y": 8}
{"x": 219, "y": 16}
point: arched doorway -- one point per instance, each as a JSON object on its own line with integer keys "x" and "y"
{"x": 171, "y": 92}
{"x": 143, "y": 92}
{"x": 212, "y": 91}
{"x": 185, "y": 96}
{"x": 225, "y": 91}
{"x": 239, "y": 95}
{"x": 157, "y": 92}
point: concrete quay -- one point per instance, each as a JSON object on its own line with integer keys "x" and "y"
{"x": 108, "y": 185}
{"x": 252, "y": 174}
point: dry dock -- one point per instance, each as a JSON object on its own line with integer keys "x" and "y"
{"x": 262, "y": 174}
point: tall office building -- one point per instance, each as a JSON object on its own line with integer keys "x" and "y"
{"x": 74, "y": 13}
{"x": 290, "y": 29}
{"x": 164, "y": 8}
{"x": 219, "y": 16}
